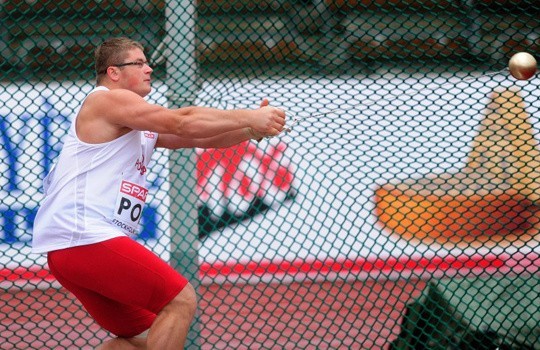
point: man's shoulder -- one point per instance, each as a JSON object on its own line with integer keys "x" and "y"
{"x": 98, "y": 119}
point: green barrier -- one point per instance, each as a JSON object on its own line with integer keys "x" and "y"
{"x": 474, "y": 313}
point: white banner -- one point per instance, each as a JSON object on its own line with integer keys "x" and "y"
{"x": 316, "y": 184}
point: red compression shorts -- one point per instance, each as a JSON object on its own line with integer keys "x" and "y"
{"x": 121, "y": 284}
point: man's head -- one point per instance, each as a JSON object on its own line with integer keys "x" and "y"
{"x": 121, "y": 63}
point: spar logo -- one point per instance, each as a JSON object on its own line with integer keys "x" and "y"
{"x": 240, "y": 182}
{"x": 134, "y": 190}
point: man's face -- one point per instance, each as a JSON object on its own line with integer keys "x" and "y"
{"x": 135, "y": 76}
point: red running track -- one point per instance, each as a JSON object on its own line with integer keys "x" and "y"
{"x": 308, "y": 315}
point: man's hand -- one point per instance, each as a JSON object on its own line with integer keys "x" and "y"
{"x": 268, "y": 121}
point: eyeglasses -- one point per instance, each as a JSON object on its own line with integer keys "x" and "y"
{"x": 139, "y": 64}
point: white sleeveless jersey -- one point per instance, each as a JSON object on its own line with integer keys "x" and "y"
{"x": 94, "y": 192}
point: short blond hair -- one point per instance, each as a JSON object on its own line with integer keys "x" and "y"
{"x": 113, "y": 51}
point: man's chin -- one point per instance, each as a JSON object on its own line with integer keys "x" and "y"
{"x": 145, "y": 92}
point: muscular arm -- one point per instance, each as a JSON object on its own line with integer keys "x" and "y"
{"x": 107, "y": 114}
{"x": 222, "y": 140}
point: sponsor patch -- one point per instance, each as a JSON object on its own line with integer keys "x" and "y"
{"x": 129, "y": 206}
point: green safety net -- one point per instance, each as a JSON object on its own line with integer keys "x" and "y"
{"x": 399, "y": 212}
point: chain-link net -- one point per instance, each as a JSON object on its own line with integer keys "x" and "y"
{"x": 404, "y": 217}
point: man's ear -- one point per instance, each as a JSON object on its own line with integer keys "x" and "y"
{"x": 112, "y": 72}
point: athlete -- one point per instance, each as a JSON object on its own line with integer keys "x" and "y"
{"x": 95, "y": 192}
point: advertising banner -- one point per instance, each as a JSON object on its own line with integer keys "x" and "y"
{"x": 344, "y": 194}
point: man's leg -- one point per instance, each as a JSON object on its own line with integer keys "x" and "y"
{"x": 171, "y": 326}
{"x": 168, "y": 331}
{"x": 128, "y": 289}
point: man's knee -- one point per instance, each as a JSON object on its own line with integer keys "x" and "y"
{"x": 185, "y": 301}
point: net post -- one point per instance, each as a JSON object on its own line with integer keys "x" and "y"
{"x": 179, "y": 51}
